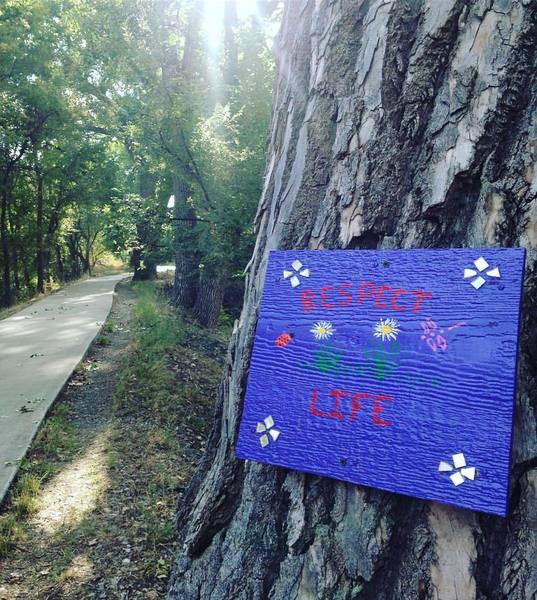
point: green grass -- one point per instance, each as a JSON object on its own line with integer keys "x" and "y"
{"x": 103, "y": 340}
{"x": 109, "y": 327}
{"x": 55, "y": 442}
{"x": 157, "y": 332}
{"x": 148, "y": 384}
{"x": 168, "y": 377}
{"x": 163, "y": 406}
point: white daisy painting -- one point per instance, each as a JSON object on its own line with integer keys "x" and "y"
{"x": 386, "y": 329}
{"x": 322, "y": 330}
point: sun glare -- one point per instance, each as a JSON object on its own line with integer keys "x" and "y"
{"x": 245, "y": 8}
{"x": 214, "y": 18}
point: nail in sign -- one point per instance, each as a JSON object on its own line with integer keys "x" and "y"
{"x": 392, "y": 369}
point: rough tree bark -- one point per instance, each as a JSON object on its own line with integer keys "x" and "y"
{"x": 396, "y": 124}
{"x": 211, "y": 289}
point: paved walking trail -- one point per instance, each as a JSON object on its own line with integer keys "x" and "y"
{"x": 40, "y": 347}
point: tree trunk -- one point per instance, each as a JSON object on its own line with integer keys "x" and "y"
{"x": 209, "y": 297}
{"x": 185, "y": 243}
{"x": 7, "y": 296}
{"x": 84, "y": 259}
{"x": 184, "y": 213}
{"x": 143, "y": 257}
{"x": 14, "y": 235}
{"x": 396, "y": 125}
{"x": 26, "y": 276}
{"x": 40, "y": 256}
{"x": 60, "y": 266}
{"x": 145, "y": 267}
{"x": 74, "y": 265}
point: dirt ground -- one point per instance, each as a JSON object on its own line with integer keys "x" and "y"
{"x": 104, "y": 523}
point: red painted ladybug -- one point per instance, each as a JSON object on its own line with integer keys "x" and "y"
{"x": 283, "y": 340}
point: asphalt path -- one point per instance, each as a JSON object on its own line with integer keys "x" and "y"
{"x": 40, "y": 347}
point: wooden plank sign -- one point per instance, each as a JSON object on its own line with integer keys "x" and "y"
{"x": 394, "y": 369}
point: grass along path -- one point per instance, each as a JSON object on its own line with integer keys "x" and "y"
{"x": 92, "y": 512}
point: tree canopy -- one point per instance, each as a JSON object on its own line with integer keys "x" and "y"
{"x": 109, "y": 110}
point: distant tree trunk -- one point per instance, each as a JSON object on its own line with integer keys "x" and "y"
{"x": 26, "y": 276}
{"x": 186, "y": 253}
{"x": 87, "y": 259}
{"x": 83, "y": 257}
{"x": 14, "y": 235}
{"x": 212, "y": 279}
{"x": 60, "y": 267}
{"x": 16, "y": 278}
{"x": 145, "y": 266}
{"x": 233, "y": 295}
{"x": 396, "y": 125}
{"x": 136, "y": 259}
{"x": 40, "y": 256}
{"x": 184, "y": 214}
{"x": 210, "y": 296}
{"x": 7, "y": 296}
{"x": 143, "y": 259}
{"x": 74, "y": 265}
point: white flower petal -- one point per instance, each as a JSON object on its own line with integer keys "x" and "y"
{"x": 457, "y": 478}
{"x": 269, "y": 422}
{"x": 468, "y": 472}
{"x": 478, "y": 282}
{"x": 481, "y": 264}
{"x": 459, "y": 460}
{"x": 275, "y": 434}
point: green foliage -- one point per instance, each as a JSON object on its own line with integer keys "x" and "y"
{"x": 230, "y": 145}
{"x": 103, "y": 106}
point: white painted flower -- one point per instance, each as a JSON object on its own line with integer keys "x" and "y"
{"x": 460, "y": 471}
{"x": 387, "y": 329}
{"x": 322, "y": 330}
{"x": 267, "y": 427}
{"x": 298, "y": 269}
{"x": 477, "y": 276}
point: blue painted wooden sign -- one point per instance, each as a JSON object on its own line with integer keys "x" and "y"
{"x": 394, "y": 369}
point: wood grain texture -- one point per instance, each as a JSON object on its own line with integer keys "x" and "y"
{"x": 386, "y": 412}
